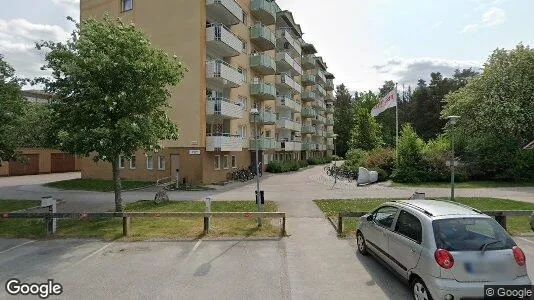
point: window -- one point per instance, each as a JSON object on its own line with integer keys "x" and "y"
{"x": 225, "y": 162}
{"x": 132, "y": 162}
{"x": 161, "y": 162}
{"x": 127, "y": 5}
{"x": 409, "y": 226}
{"x": 149, "y": 162}
{"x": 217, "y": 164}
{"x": 244, "y": 47}
{"x": 121, "y": 162}
{"x": 234, "y": 161}
{"x": 384, "y": 216}
{"x": 243, "y": 73}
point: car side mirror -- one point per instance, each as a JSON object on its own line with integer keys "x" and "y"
{"x": 369, "y": 218}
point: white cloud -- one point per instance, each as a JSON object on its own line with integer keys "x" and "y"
{"x": 491, "y": 18}
{"x": 17, "y": 44}
{"x": 71, "y": 7}
{"x": 409, "y": 71}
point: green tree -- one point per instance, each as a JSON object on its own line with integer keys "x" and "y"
{"x": 497, "y": 114}
{"x": 387, "y": 119}
{"x": 110, "y": 92}
{"x": 11, "y": 109}
{"x": 410, "y": 166}
{"x": 366, "y": 131}
{"x": 35, "y": 128}
{"x": 343, "y": 119}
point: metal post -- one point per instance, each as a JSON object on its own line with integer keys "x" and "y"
{"x": 340, "y": 224}
{"x": 125, "y": 226}
{"x": 452, "y": 163}
{"x": 207, "y": 217}
{"x": 258, "y": 202}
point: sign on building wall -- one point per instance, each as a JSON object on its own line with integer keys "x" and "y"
{"x": 194, "y": 152}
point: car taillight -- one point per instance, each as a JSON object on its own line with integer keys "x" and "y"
{"x": 444, "y": 258}
{"x": 519, "y": 256}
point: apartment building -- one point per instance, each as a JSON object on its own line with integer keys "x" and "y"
{"x": 241, "y": 54}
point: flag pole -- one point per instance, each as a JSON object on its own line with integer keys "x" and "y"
{"x": 396, "y": 125}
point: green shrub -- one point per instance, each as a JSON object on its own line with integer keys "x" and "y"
{"x": 382, "y": 174}
{"x": 303, "y": 163}
{"x": 336, "y": 158}
{"x": 354, "y": 160}
{"x": 410, "y": 166}
{"x": 319, "y": 160}
{"x": 284, "y": 166}
{"x": 382, "y": 159}
{"x": 436, "y": 153}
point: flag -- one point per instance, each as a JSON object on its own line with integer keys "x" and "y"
{"x": 390, "y": 100}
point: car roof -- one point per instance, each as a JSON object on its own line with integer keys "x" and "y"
{"x": 436, "y": 208}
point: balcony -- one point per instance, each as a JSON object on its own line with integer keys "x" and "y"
{"x": 263, "y": 144}
{"x": 285, "y": 82}
{"x": 286, "y": 42}
{"x": 308, "y": 146}
{"x": 263, "y": 64}
{"x": 307, "y": 129}
{"x": 330, "y": 147}
{"x": 288, "y": 124}
{"x": 320, "y": 147}
{"x": 262, "y": 37}
{"x": 329, "y": 85}
{"x": 308, "y": 112}
{"x": 319, "y": 105}
{"x": 308, "y": 61}
{"x": 329, "y": 97}
{"x": 222, "y": 108}
{"x": 262, "y": 90}
{"x": 321, "y": 78}
{"x": 329, "y": 122}
{"x": 223, "y": 142}
{"x": 222, "y": 74}
{"x": 319, "y": 132}
{"x": 264, "y": 11}
{"x": 307, "y": 96}
{"x": 329, "y": 109}
{"x": 227, "y": 12}
{"x": 291, "y": 146}
{"x": 308, "y": 79}
{"x": 265, "y": 117}
{"x": 220, "y": 41}
{"x": 319, "y": 120}
{"x": 286, "y": 102}
{"x": 286, "y": 64}
{"x": 319, "y": 90}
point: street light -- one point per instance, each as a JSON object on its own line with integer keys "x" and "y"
{"x": 335, "y": 137}
{"x": 255, "y": 112}
{"x": 452, "y": 122}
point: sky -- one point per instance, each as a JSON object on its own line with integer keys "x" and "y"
{"x": 364, "y": 42}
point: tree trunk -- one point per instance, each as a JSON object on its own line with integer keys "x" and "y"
{"x": 117, "y": 184}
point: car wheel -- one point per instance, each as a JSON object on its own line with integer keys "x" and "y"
{"x": 362, "y": 247}
{"x": 419, "y": 290}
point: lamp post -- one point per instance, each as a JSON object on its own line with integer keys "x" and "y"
{"x": 335, "y": 137}
{"x": 452, "y": 122}
{"x": 255, "y": 112}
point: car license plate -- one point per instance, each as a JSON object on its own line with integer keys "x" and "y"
{"x": 481, "y": 268}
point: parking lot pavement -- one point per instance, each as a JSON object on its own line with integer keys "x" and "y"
{"x": 11, "y": 181}
{"x": 164, "y": 270}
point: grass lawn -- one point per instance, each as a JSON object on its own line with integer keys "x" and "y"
{"x": 148, "y": 228}
{"x": 98, "y": 185}
{"x": 516, "y": 225}
{"x": 467, "y": 184}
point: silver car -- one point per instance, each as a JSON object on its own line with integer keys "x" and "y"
{"x": 443, "y": 249}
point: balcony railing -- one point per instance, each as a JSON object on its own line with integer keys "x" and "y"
{"x": 308, "y": 146}
{"x": 308, "y": 61}
{"x": 329, "y": 85}
{"x": 265, "y": 117}
{"x": 222, "y": 108}
{"x": 329, "y": 133}
{"x": 329, "y": 97}
{"x": 307, "y": 96}
{"x": 223, "y": 142}
{"x": 285, "y": 82}
{"x": 262, "y": 90}
{"x": 221, "y": 41}
{"x": 289, "y": 124}
{"x": 308, "y": 112}
{"x": 319, "y": 132}
{"x": 283, "y": 101}
{"x": 319, "y": 119}
{"x": 320, "y": 147}
{"x": 263, "y": 144}
{"x": 329, "y": 122}
{"x": 319, "y": 104}
{"x": 319, "y": 90}
{"x": 263, "y": 64}
{"x": 262, "y": 37}
{"x": 264, "y": 11}
{"x": 329, "y": 147}
{"x": 291, "y": 145}
{"x": 308, "y": 79}
{"x": 227, "y": 12}
{"x": 223, "y": 74}
{"x": 285, "y": 63}
{"x": 329, "y": 109}
{"x": 286, "y": 42}
{"x": 307, "y": 129}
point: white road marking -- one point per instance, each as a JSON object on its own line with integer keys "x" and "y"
{"x": 93, "y": 254}
{"x": 196, "y": 245}
{"x": 524, "y": 239}
{"x": 14, "y": 247}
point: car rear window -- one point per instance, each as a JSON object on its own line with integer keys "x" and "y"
{"x": 470, "y": 234}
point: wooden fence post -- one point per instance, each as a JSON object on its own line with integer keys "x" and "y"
{"x": 206, "y": 224}
{"x": 125, "y": 226}
{"x": 339, "y": 224}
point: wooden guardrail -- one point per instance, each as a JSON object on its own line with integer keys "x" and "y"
{"x": 126, "y": 216}
{"x": 499, "y": 215}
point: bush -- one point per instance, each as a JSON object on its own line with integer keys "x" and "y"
{"x": 336, "y": 158}
{"x": 354, "y": 159}
{"x": 284, "y": 166}
{"x": 410, "y": 166}
{"x": 303, "y": 163}
{"x": 380, "y": 160}
{"x": 435, "y": 155}
{"x": 319, "y": 160}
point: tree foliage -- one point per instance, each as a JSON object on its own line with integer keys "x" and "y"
{"x": 343, "y": 119}
{"x": 11, "y": 109}
{"x": 365, "y": 133}
{"x": 110, "y": 92}
{"x": 35, "y": 128}
{"x": 410, "y": 166}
